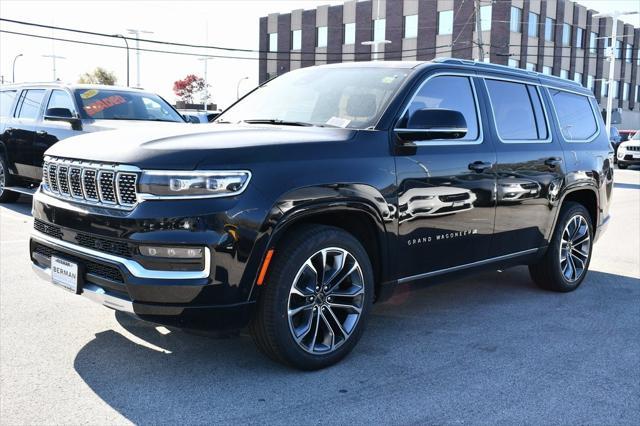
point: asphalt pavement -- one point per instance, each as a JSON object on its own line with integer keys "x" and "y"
{"x": 488, "y": 348}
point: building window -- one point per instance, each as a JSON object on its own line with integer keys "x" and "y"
{"x": 618, "y": 49}
{"x": 533, "y": 24}
{"x": 604, "y": 89}
{"x": 350, "y": 33}
{"x": 546, "y": 70}
{"x": 566, "y": 34}
{"x": 628, "y": 53}
{"x": 445, "y": 22}
{"x": 512, "y": 63}
{"x": 564, "y": 74}
{"x": 577, "y": 77}
{"x": 549, "y": 29}
{"x": 616, "y": 95}
{"x": 625, "y": 92}
{"x": 516, "y": 20}
{"x": 411, "y": 26}
{"x": 590, "y": 82}
{"x": 579, "y": 38}
{"x": 638, "y": 93}
{"x": 593, "y": 42}
{"x": 296, "y": 39}
{"x": 273, "y": 42}
{"x": 379, "y": 29}
{"x": 530, "y": 66}
{"x": 321, "y": 37}
{"x": 485, "y": 18}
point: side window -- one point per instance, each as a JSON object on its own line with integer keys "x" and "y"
{"x": 29, "y": 108}
{"x": 61, "y": 99}
{"x": 575, "y": 115}
{"x": 448, "y": 92}
{"x": 6, "y": 102}
{"x": 517, "y": 109}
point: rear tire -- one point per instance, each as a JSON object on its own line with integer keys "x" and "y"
{"x": 5, "y": 180}
{"x": 565, "y": 264}
{"x": 307, "y": 319}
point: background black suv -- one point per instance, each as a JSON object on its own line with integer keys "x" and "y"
{"x": 323, "y": 189}
{"x": 33, "y": 117}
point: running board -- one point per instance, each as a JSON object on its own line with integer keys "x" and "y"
{"x": 21, "y": 190}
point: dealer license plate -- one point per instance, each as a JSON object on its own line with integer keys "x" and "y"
{"x": 64, "y": 274}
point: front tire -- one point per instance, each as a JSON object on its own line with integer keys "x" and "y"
{"x": 565, "y": 264}
{"x": 621, "y": 165}
{"x": 5, "y": 180}
{"x": 314, "y": 306}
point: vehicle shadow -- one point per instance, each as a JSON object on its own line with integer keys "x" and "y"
{"x": 626, "y": 185}
{"x": 464, "y": 350}
{"x": 21, "y": 206}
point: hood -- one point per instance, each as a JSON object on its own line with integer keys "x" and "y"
{"x": 630, "y": 142}
{"x": 102, "y": 125}
{"x": 185, "y": 146}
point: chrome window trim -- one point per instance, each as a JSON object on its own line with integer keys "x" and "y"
{"x": 143, "y": 196}
{"x": 132, "y": 266}
{"x": 549, "y": 138}
{"x": 593, "y": 112}
{"x": 447, "y": 142}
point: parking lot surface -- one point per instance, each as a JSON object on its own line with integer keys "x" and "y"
{"x": 488, "y": 348}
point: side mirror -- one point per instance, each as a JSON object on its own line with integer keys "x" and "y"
{"x": 63, "y": 114}
{"x": 430, "y": 123}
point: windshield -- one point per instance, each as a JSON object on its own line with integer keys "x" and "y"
{"x": 636, "y": 137}
{"x": 332, "y": 97}
{"x": 102, "y": 104}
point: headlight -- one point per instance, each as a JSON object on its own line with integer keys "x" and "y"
{"x": 160, "y": 184}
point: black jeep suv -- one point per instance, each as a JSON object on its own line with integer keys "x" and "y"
{"x": 315, "y": 195}
{"x": 34, "y": 116}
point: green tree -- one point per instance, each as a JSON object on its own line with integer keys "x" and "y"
{"x": 98, "y": 76}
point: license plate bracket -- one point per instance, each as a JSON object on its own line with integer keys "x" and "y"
{"x": 66, "y": 274}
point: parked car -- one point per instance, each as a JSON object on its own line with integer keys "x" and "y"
{"x": 199, "y": 116}
{"x": 33, "y": 117}
{"x": 625, "y": 135}
{"x": 629, "y": 152}
{"x": 284, "y": 215}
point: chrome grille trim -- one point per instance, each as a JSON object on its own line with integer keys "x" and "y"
{"x": 107, "y": 185}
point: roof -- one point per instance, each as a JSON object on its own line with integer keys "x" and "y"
{"x": 72, "y": 86}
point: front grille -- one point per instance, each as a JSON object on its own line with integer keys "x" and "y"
{"x": 107, "y": 272}
{"x": 102, "y": 184}
{"x": 454, "y": 197}
{"x": 633, "y": 148}
{"x": 114, "y": 247}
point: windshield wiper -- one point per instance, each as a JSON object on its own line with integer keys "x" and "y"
{"x": 278, "y": 122}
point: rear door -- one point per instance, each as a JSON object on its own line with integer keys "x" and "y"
{"x": 445, "y": 204}
{"x": 20, "y": 136}
{"x": 530, "y": 167}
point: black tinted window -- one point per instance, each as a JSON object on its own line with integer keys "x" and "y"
{"x": 61, "y": 99}
{"x": 449, "y": 92}
{"x": 575, "y": 115}
{"x": 514, "y": 111}
{"x": 30, "y": 105}
{"x": 6, "y": 102}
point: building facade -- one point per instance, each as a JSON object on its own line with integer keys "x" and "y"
{"x": 557, "y": 37}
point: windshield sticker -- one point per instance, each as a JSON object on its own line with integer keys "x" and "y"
{"x": 88, "y": 94}
{"x": 102, "y": 104}
{"x": 338, "y": 122}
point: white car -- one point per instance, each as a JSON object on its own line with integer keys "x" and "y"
{"x": 436, "y": 201}
{"x": 629, "y": 152}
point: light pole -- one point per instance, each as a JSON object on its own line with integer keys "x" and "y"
{"x": 205, "y": 59}
{"x": 14, "y": 67}
{"x": 376, "y": 45}
{"x": 612, "y": 58}
{"x": 137, "y": 34}
{"x": 238, "y": 86}
{"x": 126, "y": 43}
{"x": 53, "y": 60}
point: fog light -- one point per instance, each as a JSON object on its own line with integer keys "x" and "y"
{"x": 172, "y": 252}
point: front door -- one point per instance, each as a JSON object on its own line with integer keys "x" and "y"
{"x": 446, "y": 202}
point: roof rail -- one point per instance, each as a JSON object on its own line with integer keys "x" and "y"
{"x": 490, "y": 66}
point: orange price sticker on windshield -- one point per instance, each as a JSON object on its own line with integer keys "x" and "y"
{"x": 102, "y": 104}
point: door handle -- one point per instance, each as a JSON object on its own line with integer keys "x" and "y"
{"x": 41, "y": 133}
{"x": 480, "y": 166}
{"x": 553, "y": 161}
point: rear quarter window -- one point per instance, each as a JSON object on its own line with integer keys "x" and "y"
{"x": 575, "y": 115}
{"x": 6, "y": 102}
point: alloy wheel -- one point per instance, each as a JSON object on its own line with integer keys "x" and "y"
{"x": 2, "y": 178}
{"x": 575, "y": 248}
{"x": 326, "y": 300}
